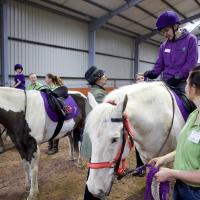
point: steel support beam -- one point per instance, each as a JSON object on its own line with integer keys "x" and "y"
{"x": 91, "y": 48}
{"x": 173, "y": 8}
{"x": 4, "y": 42}
{"x": 154, "y": 32}
{"x": 97, "y": 23}
{"x": 136, "y": 57}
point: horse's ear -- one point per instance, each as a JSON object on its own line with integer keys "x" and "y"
{"x": 92, "y": 101}
{"x": 124, "y": 103}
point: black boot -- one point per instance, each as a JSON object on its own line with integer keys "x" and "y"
{"x": 53, "y": 147}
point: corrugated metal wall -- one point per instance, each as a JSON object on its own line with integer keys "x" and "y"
{"x": 45, "y": 42}
{"x": 148, "y": 55}
{"x": 39, "y": 40}
{"x": 114, "y": 54}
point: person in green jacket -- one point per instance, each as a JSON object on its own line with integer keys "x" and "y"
{"x": 186, "y": 157}
{"x": 53, "y": 82}
{"x": 97, "y": 80}
{"x": 34, "y": 85}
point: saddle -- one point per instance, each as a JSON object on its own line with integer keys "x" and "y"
{"x": 56, "y": 101}
{"x": 188, "y": 105}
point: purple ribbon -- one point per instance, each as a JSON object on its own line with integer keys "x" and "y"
{"x": 163, "y": 187}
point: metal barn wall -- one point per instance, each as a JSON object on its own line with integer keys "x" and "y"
{"x": 147, "y": 56}
{"x": 44, "y": 42}
{"x": 114, "y": 54}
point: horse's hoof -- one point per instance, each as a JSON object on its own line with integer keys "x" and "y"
{"x": 33, "y": 197}
{"x": 72, "y": 159}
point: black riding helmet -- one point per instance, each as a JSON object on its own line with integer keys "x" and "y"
{"x": 93, "y": 74}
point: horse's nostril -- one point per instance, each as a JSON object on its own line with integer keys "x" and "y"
{"x": 101, "y": 192}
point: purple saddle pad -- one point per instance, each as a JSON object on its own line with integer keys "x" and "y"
{"x": 181, "y": 106}
{"x": 68, "y": 102}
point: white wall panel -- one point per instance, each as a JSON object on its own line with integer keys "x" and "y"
{"x": 148, "y": 52}
{"x": 43, "y": 60}
{"x": 38, "y": 25}
{"x": 144, "y": 67}
{"x": 113, "y": 43}
{"x": 115, "y": 67}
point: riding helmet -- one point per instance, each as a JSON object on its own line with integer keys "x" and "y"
{"x": 18, "y": 66}
{"x": 167, "y": 18}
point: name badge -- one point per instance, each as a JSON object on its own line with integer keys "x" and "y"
{"x": 167, "y": 50}
{"x": 194, "y": 137}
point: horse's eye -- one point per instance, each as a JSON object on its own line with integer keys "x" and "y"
{"x": 114, "y": 140}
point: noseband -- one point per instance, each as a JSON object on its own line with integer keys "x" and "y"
{"x": 127, "y": 136}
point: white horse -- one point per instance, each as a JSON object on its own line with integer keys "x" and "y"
{"x": 149, "y": 109}
{"x": 24, "y": 116}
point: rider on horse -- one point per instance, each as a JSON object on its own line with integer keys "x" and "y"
{"x": 177, "y": 55}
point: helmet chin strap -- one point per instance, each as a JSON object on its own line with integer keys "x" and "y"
{"x": 174, "y": 33}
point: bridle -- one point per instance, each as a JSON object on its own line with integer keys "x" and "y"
{"x": 127, "y": 137}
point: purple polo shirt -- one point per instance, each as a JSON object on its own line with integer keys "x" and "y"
{"x": 20, "y": 77}
{"x": 177, "y": 58}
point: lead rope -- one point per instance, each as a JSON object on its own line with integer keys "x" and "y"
{"x": 163, "y": 187}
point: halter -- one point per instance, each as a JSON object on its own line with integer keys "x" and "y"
{"x": 127, "y": 136}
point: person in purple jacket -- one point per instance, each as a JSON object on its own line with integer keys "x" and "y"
{"x": 19, "y": 81}
{"x": 177, "y": 55}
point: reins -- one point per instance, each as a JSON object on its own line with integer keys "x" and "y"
{"x": 127, "y": 135}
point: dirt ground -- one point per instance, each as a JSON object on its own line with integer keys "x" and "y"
{"x": 59, "y": 178}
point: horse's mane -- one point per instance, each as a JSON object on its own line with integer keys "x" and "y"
{"x": 103, "y": 111}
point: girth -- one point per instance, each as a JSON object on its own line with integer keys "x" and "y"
{"x": 56, "y": 100}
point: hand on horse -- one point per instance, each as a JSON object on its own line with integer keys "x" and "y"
{"x": 164, "y": 174}
{"x": 150, "y": 74}
{"x": 158, "y": 162}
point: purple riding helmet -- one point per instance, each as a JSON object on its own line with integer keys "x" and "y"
{"x": 18, "y": 66}
{"x": 167, "y": 18}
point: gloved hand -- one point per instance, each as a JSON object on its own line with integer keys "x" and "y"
{"x": 150, "y": 74}
{"x": 173, "y": 81}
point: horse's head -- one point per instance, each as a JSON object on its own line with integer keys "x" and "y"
{"x": 105, "y": 127}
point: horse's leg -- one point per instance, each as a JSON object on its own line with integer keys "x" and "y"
{"x": 77, "y": 135}
{"x": 33, "y": 170}
{"x": 27, "y": 175}
{"x": 71, "y": 146}
{"x": 1, "y": 145}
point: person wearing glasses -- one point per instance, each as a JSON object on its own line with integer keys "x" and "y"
{"x": 177, "y": 55}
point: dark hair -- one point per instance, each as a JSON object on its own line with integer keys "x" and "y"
{"x": 55, "y": 79}
{"x": 194, "y": 77}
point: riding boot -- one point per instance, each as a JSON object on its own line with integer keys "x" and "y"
{"x": 53, "y": 147}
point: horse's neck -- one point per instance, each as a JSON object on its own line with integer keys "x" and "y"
{"x": 150, "y": 115}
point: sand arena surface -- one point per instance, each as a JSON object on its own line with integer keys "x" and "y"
{"x": 59, "y": 178}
